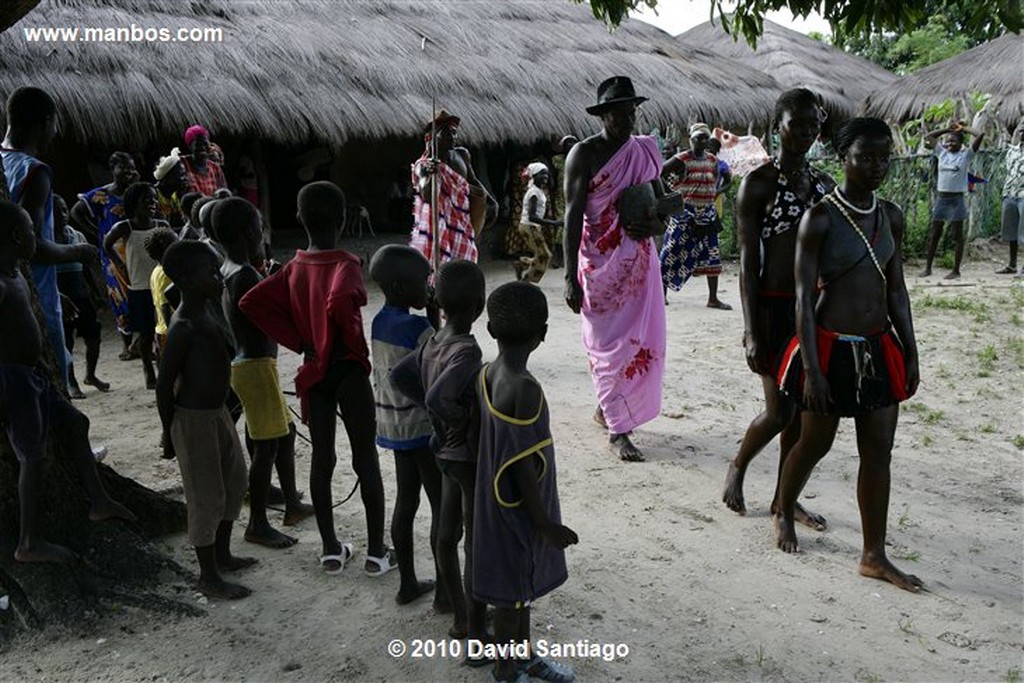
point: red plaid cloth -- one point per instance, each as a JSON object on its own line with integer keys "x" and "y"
{"x": 204, "y": 183}
{"x": 454, "y": 229}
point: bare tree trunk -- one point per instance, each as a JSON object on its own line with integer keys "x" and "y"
{"x": 13, "y": 10}
{"x": 119, "y": 564}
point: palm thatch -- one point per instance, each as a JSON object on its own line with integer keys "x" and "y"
{"x": 843, "y": 80}
{"x": 336, "y": 70}
{"x": 994, "y": 67}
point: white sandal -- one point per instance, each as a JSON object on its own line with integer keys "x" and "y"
{"x": 384, "y": 564}
{"x": 342, "y": 558}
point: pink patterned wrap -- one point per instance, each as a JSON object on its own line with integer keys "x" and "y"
{"x": 623, "y": 303}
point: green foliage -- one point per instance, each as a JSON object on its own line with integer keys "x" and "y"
{"x": 978, "y": 309}
{"x": 850, "y": 19}
{"x": 987, "y": 358}
{"x": 903, "y": 53}
{"x": 961, "y": 23}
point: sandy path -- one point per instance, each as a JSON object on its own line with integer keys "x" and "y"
{"x": 695, "y": 591}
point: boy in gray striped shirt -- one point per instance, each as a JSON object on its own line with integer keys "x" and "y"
{"x": 402, "y": 426}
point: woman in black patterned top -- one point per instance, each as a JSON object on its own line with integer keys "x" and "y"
{"x": 771, "y": 201}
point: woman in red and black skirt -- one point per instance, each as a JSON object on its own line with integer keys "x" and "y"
{"x": 854, "y": 354}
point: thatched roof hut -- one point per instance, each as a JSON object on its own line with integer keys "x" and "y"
{"x": 995, "y": 67}
{"x": 331, "y": 71}
{"x": 794, "y": 60}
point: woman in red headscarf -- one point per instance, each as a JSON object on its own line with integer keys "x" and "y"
{"x": 202, "y": 173}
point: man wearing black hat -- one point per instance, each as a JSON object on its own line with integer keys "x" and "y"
{"x": 612, "y": 272}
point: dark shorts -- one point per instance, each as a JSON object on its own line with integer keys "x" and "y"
{"x": 86, "y": 324}
{"x": 141, "y": 311}
{"x": 29, "y": 405}
{"x": 776, "y": 325}
{"x": 950, "y": 207}
{"x": 863, "y": 373}
{"x": 460, "y": 471}
{"x": 1012, "y": 218}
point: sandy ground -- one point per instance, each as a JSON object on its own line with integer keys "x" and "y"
{"x": 693, "y": 591}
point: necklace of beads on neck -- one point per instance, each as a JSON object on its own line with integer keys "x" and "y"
{"x": 856, "y": 209}
{"x": 867, "y": 243}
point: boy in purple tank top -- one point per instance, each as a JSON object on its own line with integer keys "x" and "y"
{"x": 519, "y": 539}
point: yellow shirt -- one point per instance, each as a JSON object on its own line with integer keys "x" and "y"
{"x": 158, "y": 282}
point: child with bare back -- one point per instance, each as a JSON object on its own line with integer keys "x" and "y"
{"x": 30, "y": 404}
{"x": 440, "y": 376}
{"x": 520, "y": 539}
{"x": 195, "y": 372}
{"x": 401, "y": 272}
{"x": 254, "y": 377}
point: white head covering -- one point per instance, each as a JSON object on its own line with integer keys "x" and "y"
{"x": 698, "y": 128}
{"x": 535, "y": 168}
{"x": 166, "y": 163}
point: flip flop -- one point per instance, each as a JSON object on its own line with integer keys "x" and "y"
{"x": 384, "y": 564}
{"x": 1006, "y": 270}
{"x": 341, "y": 559}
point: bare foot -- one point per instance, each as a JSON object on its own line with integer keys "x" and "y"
{"x": 275, "y": 496}
{"x": 442, "y": 605}
{"x": 233, "y": 563}
{"x": 925, "y": 273}
{"x": 269, "y": 536}
{"x": 75, "y": 392}
{"x": 296, "y": 512}
{"x": 404, "y": 597}
{"x": 785, "y": 534}
{"x": 953, "y": 275}
{"x": 624, "y": 448}
{"x": 732, "y": 496}
{"x": 110, "y": 509}
{"x": 804, "y": 516}
{"x": 720, "y": 305}
{"x": 599, "y": 418}
{"x": 96, "y": 382}
{"x": 882, "y": 568}
{"x": 221, "y": 589}
{"x": 808, "y": 518}
{"x": 41, "y": 551}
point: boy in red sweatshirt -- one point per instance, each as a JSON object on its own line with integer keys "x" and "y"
{"x": 312, "y": 306}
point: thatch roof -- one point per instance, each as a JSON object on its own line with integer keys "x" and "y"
{"x": 995, "y": 67}
{"x": 334, "y": 70}
{"x": 794, "y": 60}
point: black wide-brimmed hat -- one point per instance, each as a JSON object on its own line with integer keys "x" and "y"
{"x": 613, "y": 91}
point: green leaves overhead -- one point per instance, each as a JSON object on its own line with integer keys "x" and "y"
{"x": 848, "y": 17}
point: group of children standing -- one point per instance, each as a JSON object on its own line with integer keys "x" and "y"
{"x": 475, "y": 437}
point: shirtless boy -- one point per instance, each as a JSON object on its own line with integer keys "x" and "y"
{"x": 195, "y": 372}
{"x": 30, "y": 404}
{"x": 254, "y": 375}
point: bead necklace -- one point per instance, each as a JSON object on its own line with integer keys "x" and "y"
{"x": 871, "y": 252}
{"x": 846, "y": 202}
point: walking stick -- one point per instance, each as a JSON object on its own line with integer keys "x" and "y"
{"x": 435, "y": 252}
